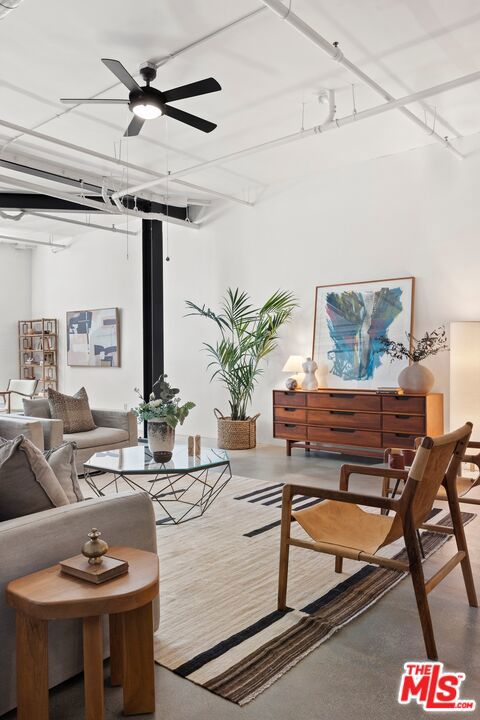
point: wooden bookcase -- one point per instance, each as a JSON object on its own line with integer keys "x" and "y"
{"x": 355, "y": 422}
{"x": 38, "y": 352}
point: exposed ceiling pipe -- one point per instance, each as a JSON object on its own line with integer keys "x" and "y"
{"x": 93, "y": 226}
{"x": 7, "y": 6}
{"x": 33, "y": 242}
{"x": 94, "y": 204}
{"x": 334, "y": 52}
{"x": 322, "y": 128}
{"x": 115, "y": 161}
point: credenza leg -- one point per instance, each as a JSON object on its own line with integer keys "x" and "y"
{"x": 307, "y": 449}
{"x": 289, "y": 447}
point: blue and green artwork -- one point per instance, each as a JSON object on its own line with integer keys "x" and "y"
{"x": 350, "y": 321}
{"x": 356, "y": 322}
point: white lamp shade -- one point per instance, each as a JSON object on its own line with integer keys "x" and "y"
{"x": 294, "y": 364}
{"x": 465, "y": 375}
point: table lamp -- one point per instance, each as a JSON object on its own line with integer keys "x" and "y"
{"x": 465, "y": 375}
{"x": 293, "y": 365}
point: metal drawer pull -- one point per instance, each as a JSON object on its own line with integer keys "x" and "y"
{"x": 290, "y": 409}
{"x": 403, "y": 435}
{"x": 403, "y": 417}
{"x": 341, "y": 395}
{"x": 344, "y": 430}
{"x": 289, "y": 425}
{"x": 341, "y": 412}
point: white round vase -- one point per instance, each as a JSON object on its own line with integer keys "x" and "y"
{"x": 161, "y": 440}
{"x": 416, "y": 378}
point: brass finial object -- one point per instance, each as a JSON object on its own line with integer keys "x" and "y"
{"x": 94, "y": 549}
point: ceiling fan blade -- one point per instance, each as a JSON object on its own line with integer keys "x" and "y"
{"x": 121, "y": 73}
{"x": 135, "y": 126}
{"x": 92, "y": 101}
{"x": 196, "y": 122}
{"x": 201, "y": 87}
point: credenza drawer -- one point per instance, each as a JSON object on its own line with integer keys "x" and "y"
{"x": 343, "y": 401}
{"x": 281, "y": 397}
{"x": 399, "y": 440}
{"x": 343, "y": 436}
{"x": 404, "y": 423}
{"x": 290, "y": 431}
{"x": 345, "y": 418}
{"x": 290, "y": 414}
{"x": 404, "y": 404}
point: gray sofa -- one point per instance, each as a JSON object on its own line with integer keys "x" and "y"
{"x": 37, "y": 541}
{"x": 115, "y": 429}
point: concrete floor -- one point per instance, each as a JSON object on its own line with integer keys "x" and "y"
{"x": 356, "y": 673}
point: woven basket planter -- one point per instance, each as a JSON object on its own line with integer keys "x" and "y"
{"x": 236, "y": 434}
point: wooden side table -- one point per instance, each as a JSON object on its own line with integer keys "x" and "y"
{"x": 127, "y": 600}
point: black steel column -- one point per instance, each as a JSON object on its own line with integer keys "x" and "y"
{"x": 153, "y": 339}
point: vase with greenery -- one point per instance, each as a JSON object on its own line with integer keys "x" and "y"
{"x": 416, "y": 377}
{"x": 162, "y": 412}
{"x": 247, "y": 335}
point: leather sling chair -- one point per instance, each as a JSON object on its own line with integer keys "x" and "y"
{"x": 340, "y": 527}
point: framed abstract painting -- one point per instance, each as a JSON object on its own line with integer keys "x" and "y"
{"x": 349, "y": 321}
{"x": 93, "y": 338}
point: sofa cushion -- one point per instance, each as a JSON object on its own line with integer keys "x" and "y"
{"x": 27, "y": 482}
{"x": 62, "y": 461}
{"x": 73, "y": 410}
{"x": 38, "y": 407}
{"x": 97, "y": 437}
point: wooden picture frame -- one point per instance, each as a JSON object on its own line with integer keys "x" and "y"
{"x": 349, "y": 318}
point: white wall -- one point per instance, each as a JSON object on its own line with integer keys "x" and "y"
{"x": 412, "y": 214}
{"x": 95, "y": 272}
{"x": 15, "y": 304}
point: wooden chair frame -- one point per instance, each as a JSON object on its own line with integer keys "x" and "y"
{"x": 6, "y": 394}
{"x": 403, "y": 506}
{"x": 473, "y": 459}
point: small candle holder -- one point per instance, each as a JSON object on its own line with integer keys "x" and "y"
{"x": 94, "y": 549}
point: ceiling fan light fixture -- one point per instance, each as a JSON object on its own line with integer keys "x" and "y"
{"x": 146, "y": 110}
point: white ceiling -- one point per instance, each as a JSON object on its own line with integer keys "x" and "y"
{"x": 52, "y": 48}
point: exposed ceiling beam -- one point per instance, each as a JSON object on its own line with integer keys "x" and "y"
{"x": 116, "y": 161}
{"x": 334, "y": 124}
{"x": 333, "y": 51}
{"x": 95, "y": 204}
{"x": 40, "y": 201}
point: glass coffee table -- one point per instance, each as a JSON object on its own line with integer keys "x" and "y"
{"x": 184, "y": 487}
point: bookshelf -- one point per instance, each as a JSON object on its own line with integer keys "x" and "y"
{"x": 37, "y": 349}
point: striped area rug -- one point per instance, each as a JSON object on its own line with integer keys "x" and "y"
{"x": 219, "y": 625}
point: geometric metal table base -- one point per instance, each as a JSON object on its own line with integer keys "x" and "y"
{"x": 183, "y": 494}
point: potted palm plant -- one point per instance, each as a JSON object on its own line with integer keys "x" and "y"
{"x": 247, "y": 335}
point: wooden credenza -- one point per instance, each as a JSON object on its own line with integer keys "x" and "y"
{"x": 354, "y": 422}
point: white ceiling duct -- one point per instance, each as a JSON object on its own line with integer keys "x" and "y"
{"x": 7, "y": 6}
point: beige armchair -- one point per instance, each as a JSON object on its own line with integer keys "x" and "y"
{"x": 340, "y": 527}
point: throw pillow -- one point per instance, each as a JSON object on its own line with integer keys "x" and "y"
{"x": 62, "y": 461}
{"x": 27, "y": 482}
{"x": 74, "y": 410}
{"x": 37, "y": 407}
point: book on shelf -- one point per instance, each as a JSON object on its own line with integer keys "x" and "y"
{"x": 390, "y": 390}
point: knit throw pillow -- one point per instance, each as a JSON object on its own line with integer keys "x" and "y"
{"x": 73, "y": 410}
{"x": 27, "y": 482}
